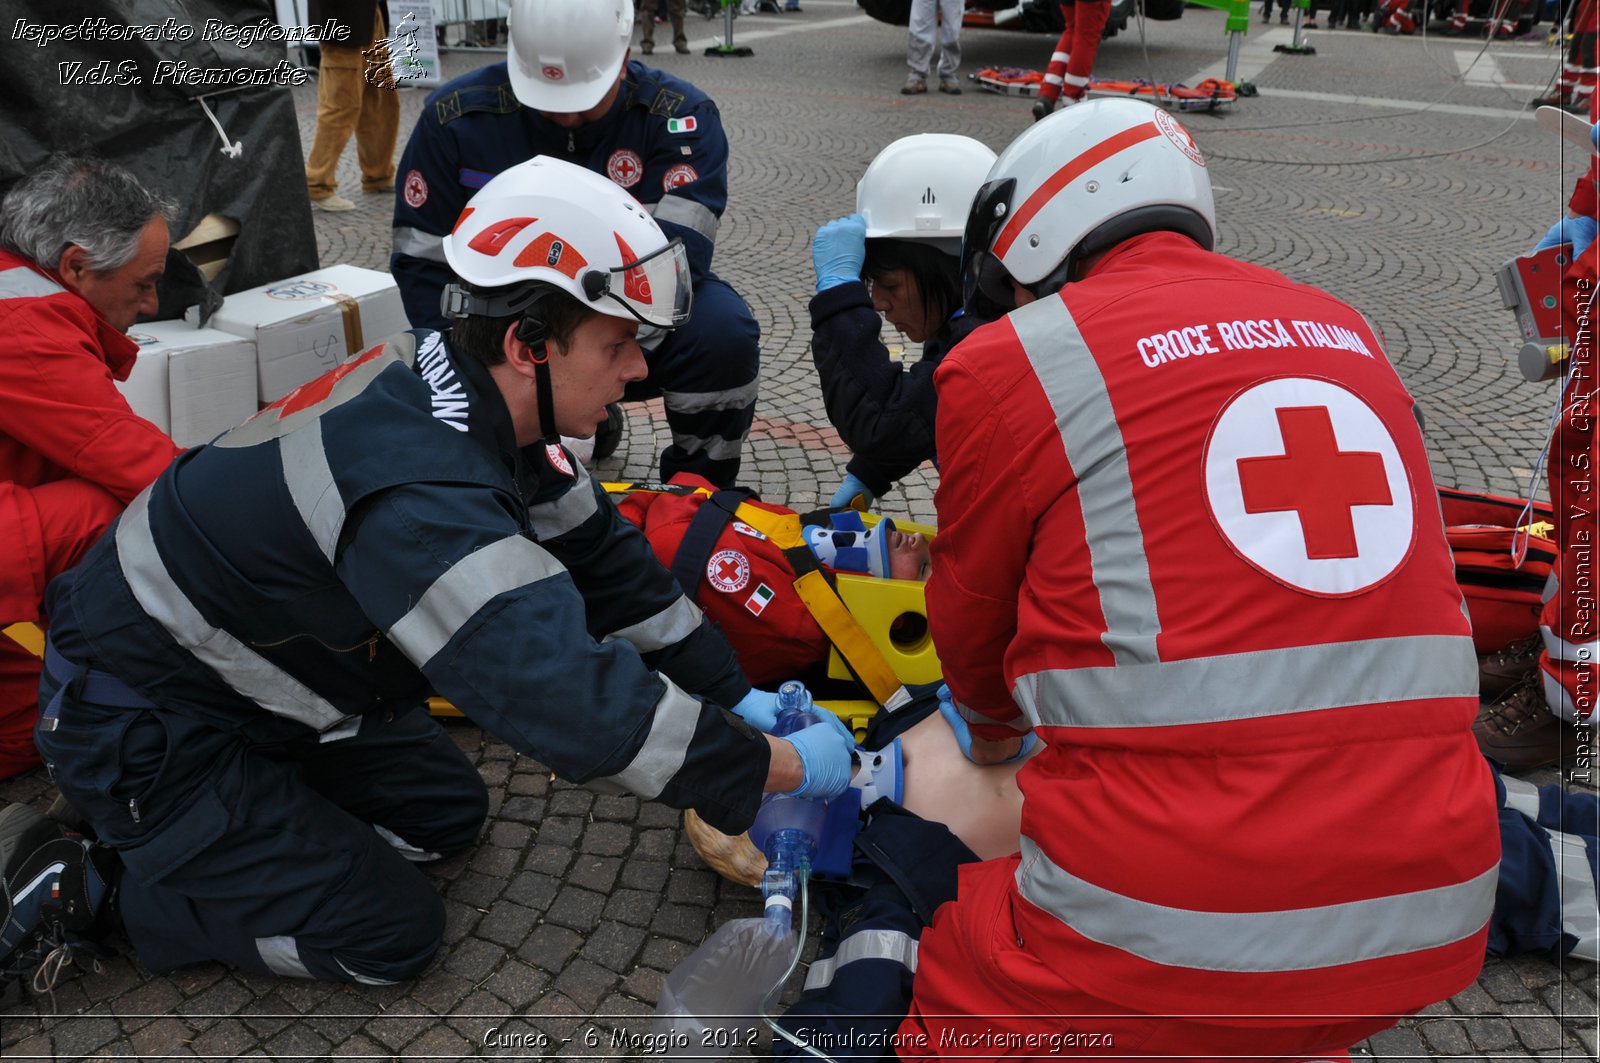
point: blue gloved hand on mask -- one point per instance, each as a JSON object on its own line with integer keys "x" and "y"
{"x": 963, "y": 733}
{"x": 825, "y": 752}
{"x": 759, "y": 709}
{"x": 853, "y": 494}
{"x": 1579, "y": 232}
{"x": 839, "y": 250}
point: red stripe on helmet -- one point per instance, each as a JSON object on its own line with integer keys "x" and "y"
{"x": 1067, "y": 174}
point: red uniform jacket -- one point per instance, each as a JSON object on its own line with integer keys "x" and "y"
{"x": 747, "y": 589}
{"x": 1188, "y": 531}
{"x": 61, "y": 420}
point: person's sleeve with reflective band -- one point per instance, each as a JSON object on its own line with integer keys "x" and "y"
{"x": 417, "y": 260}
{"x": 980, "y": 552}
{"x": 497, "y": 626}
{"x": 884, "y": 413}
{"x": 630, "y": 596}
{"x": 692, "y": 210}
{"x": 57, "y": 398}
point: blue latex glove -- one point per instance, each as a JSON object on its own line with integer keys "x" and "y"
{"x": 759, "y": 709}
{"x": 963, "y": 733}
{"x": 853, "y": 494}
{"x": 839, "y": 250}
{"x": 1579, "y": 232}
{"x": 825, "y": 755}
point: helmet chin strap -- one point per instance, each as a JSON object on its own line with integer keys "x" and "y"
{"x": 544, "y": 393}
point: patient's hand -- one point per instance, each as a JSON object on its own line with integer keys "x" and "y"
{"x": 986, "y": 751}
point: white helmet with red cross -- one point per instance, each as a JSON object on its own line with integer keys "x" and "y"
{"x": 1075, "y": 184}
{"x": 547, "y": 224}
{"x": 564, "y": 55}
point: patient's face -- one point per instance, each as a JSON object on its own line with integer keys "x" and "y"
{"x": 908, "y": 556}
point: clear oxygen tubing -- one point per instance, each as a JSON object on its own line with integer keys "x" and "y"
{"x": 783, "y": 979}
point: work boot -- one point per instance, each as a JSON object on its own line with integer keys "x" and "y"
{"x": 681, "y": 47}
{"x": 915, "y": 85}
{"x": 1498, "y": 672}
{"x": 950, "y": 86}
{"x": 1457, "y": 24}
{"x": 333, "y": 204}
{"x": 1519, "y": 730}
{"x": 647, "y": 47}
{"x": 56, "y": 898}
{"x": 1042, "y": 108}
{"x": 609, "y": 435}
{"x": 1283, "y": 18}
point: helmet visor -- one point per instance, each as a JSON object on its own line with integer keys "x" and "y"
{"x": 985, "y": 281}
{"x": 655, "y": 289}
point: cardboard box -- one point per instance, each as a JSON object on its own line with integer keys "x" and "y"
{"x": 304, "y": 326}
{"x": 194, "y": 383}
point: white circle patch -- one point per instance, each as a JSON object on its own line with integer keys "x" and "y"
{"x": 728, "y": 571}
{"x": 558, "y": 458}
{"x": 1306, "y": 484}
{"x": 625, "y": 168}
{"x": 1173, "y": 130}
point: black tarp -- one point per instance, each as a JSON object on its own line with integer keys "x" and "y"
{"x": 157, "y": 128}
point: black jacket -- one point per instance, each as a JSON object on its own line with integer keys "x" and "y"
{"x": 884, "y": 412}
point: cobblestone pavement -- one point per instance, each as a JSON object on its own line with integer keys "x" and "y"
{"x": 1396, "y": 172}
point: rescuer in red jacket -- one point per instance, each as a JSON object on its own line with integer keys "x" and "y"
{"x": 1231, "y": 615}
{"x": 82, "y": 244}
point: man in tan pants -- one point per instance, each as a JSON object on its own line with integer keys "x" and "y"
{"x": 349, "y": 99}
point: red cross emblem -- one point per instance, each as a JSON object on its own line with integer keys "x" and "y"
{"x": 1306, "y": 484}
{"x": 625, "y": 168}
{"x": 1316, "y": 480}
{"x": 728, "y": 571}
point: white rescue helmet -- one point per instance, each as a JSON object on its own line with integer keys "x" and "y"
{"x": 921, "y": 187}
{"x": 1077, "y": 183}
{"x": 547, "y": 224}
{"x": 564, "y": 55}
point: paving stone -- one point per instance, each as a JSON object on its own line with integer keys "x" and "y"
{"x": 473, "y": 959}
{"x": 550, "y": 859}
{"x": 576, "y": 908}
{"x": 1490, "y": 1034}
{"x": 642, "y": 874}
{"x": 517, "y": 984}
{"x": 439, "y": 1042}
{"x": 598, "y": 873}
{"x": 607, "y": 839}
{"x": 298, "y": 1040}
{"x": 550, "y": 946}
{"x": 81, "y": 1036}
{"x": 508, "y": 924}
{"x": 533, "y": 890}
{"x": 613, "y": 946}
{"x": 224, "y": 1040}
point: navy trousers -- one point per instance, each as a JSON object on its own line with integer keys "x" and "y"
{"x": 294, "y": 858}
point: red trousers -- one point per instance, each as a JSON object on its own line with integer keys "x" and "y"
{"x": 977, "y": 993}
{"x": 72, "y": 516}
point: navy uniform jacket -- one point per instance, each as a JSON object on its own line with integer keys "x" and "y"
{"x": 378, "y": 534}
{"x": 884, "y": 413}
{"x": 662, "y": 140}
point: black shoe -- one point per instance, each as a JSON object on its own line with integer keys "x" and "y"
{"x": 1042, "y": 108}
{"x": 609, "y": 435}
{"x": 56, "y": 901}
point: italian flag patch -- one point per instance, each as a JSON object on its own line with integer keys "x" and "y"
{"x": 681, "y": 125}
{"x": 758, "y": 601}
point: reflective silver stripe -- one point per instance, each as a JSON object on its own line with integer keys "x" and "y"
{"x": 683, "y": 211}
{"x": 236, "y": 664}
{"x": 364, "y": 979}
{"x": 1562, "y": 650}
{"x": 311, "y": 486}
{"x": 418, "y": 244}
{"x": 551, "y": 520}
{"x": 673, "y": 624}
{"x": 1244, "y": 686}
{"x": 894, "y": 945}
{"x": 464, "y": 588}
{"x": 701, "y": 401}
{"x": 403, "y": 847}
{"x": 1295, "y": 939}
{"x": 1076, "y": 391}
{"x": 1580, "y": 907}
{"x": 282, "y": 956}
{"x": 1521, "y": 796}
{"x": 349, "y": 729}
{"x": 20, "y": 282}
{"x": 665, "y": 747}
{"x": 716, "y": 448}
